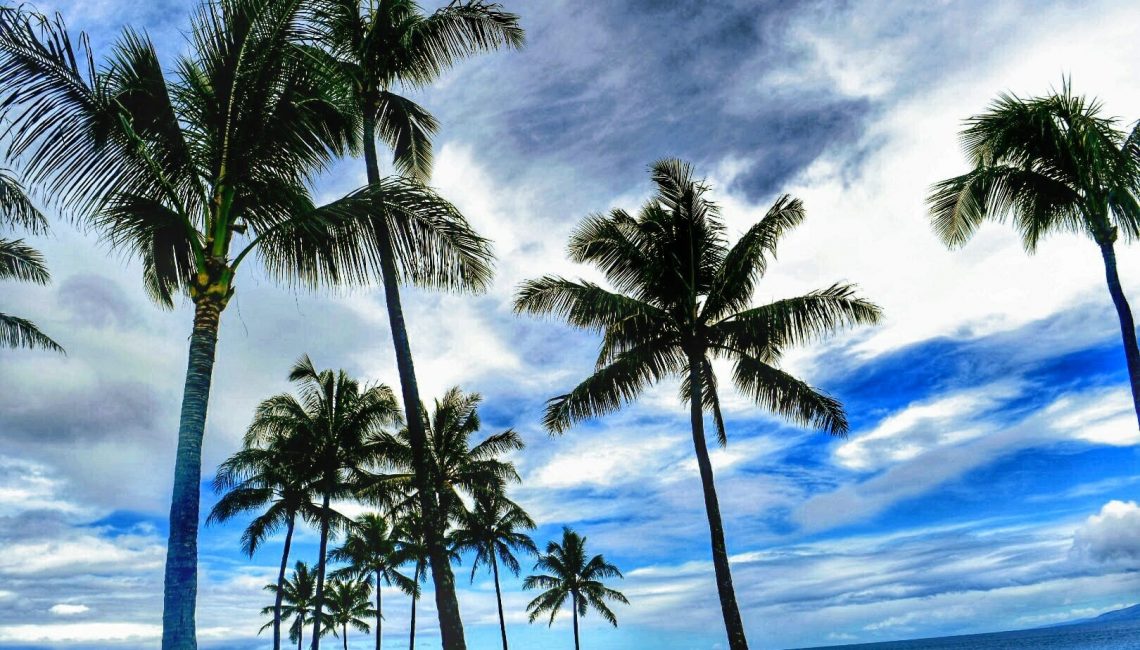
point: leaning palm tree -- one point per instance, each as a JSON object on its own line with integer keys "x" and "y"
{"x": 493, "y": 531}
{"x": 348, "y": 605}
{"x": 370, "y": 550}
{"x": 571, "y": 575}
{"x": 1050, "y": 164}
{"x": 378, "y": 46}
{"x": 266, "y": 475}
{"x": 329, "y": 422}
{"x": 195, "y": 171}
{"x": 18, "y": 261}
{"x": 297, "y": 595}
{"x": 682, "y": 299}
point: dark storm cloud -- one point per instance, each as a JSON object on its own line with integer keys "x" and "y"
{"x": 610, "y": 87}
{"x": 88, "y": 413}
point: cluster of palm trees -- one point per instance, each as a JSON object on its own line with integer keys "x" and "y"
{"x": 339, "y": 441}
{"x": 195, "y": 168}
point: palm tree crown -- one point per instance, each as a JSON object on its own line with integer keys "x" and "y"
{"x": 371, "y": 551}
{"x": 349, "y": 606}
{"x": 571, "y": 575}
{"x": 19, "y": 261}
{"x": 1050, "y": 164}
{"x": 681, "y": 299}
{"x": 297, "y": 597}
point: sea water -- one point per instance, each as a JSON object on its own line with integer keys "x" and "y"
{"x": 1122, "y": 635}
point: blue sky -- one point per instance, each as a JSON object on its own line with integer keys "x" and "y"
{"x": 989, "y": 481}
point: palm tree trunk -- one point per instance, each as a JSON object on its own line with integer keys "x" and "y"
{"x": 574, "y": 601}
{"x": 379, "y": 617}
{"x": 346, "y": 636}
{"x": 281, "y": 582}
{"x": 301, "y": 634}
{"x": 180, "y": 585}
{"x": 318, "y": 599}
{"x": 450, "y": 623}
{"x": 1127, "y": 326}
{"x": 729, "y": 610}
{"x": 416, "y": 581}
{"x": 499, "y": 599}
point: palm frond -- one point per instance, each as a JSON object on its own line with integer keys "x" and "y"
{"x": 787, "y": 396}
{"x": 22, "y": 333}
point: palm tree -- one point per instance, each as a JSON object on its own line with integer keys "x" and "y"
{"x": 195, "y": 171}
{"x": 1050, "y": 164}
{"x": 297, "y": 594}
{"x": 571, "y": 574}
{"x": 682, "y": 298}
{"x": 266, "y": 474}
{"x": 348, "y": 605}
{"x": 18, "y": 261}
{"x": 330, "y": 423}
{"x": 455, "y": 467}
{"x": 492, "y": 530}
{"x": 370, "y": 550}
{"x": 411, "y": 547}
{"x": 376, "y": 45}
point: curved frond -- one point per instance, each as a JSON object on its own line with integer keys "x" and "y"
{"x": 22, "y": 333}
{"x": 787, "y": 396}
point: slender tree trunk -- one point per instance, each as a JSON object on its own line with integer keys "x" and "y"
{"x": 574, "y": 600}
{"x": 729, "y": 610}
{"x": 499, "y": 599}
{"x": 318, "y": 599}
{"x": 281, "y": 582}
{"x": 1127, "y": 326}
{"x": 346, "y": 636}
{"x": 412, "y": 639}
{"x": 446, "y": 602}
{"x": 379, "y": 616}
{"x": 180, "y": 586}
{"x": 301, "y": 634}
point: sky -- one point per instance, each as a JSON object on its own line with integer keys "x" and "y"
{"x": 989, "y": 479}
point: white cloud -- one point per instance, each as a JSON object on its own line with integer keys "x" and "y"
{"x": 1111, "y": 536}
{"x": 68, "y": 609}
{"x": 89, "y": 632}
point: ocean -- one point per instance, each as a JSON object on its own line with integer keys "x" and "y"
{"x": 1120, "y": 635}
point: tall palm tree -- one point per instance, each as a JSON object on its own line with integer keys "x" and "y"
{"x": 370, "y": 550}
{"x": 682, "y": 298}
{"x": 492, "y": 530}
{"x": 348, "y": 605}
{"x": 266, "y": 475}
{"x": 195, "y": 171}
{"x": 297, "y": 594}
{"x": 18, "y": 261}
{"x": 379, "y": 46}
{"x": 1050, "y": 164}
{"x": 571, "y": 575}
{"x": 330, "y": 422}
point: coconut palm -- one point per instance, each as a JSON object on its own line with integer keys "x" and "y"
{"x": 682, "y": 298}
{"x": 196, "y": 171}
{"x": 329, "y": 422}
{"x": 1050, "y": 164}
{"x": 297, "y": 595}
{"x": 571, "y": 575}
{"x": 371, "y": 551}
{"x": 348, "y": 605}
{"x": 455, "y": 466}
{"x": 18, "y": 261}
{"x": 267, "y": 475}
{"x": 377, "y": 47}
{"x": 411, "y": 548}
{"x": 493, "y": 531}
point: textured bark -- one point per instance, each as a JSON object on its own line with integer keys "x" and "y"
{"x": 281, "y": 582}
{"x": 446, "y": 602}
{"x": 499, "y": 599}
{"x": 180, "y": 584}
{"x": 729, "y": 610}
{"x": 574, "y": 601}
{"x": 319, "y": 597}
{"x": 1127, "y": 325}
{"x": 379, "y": 616}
